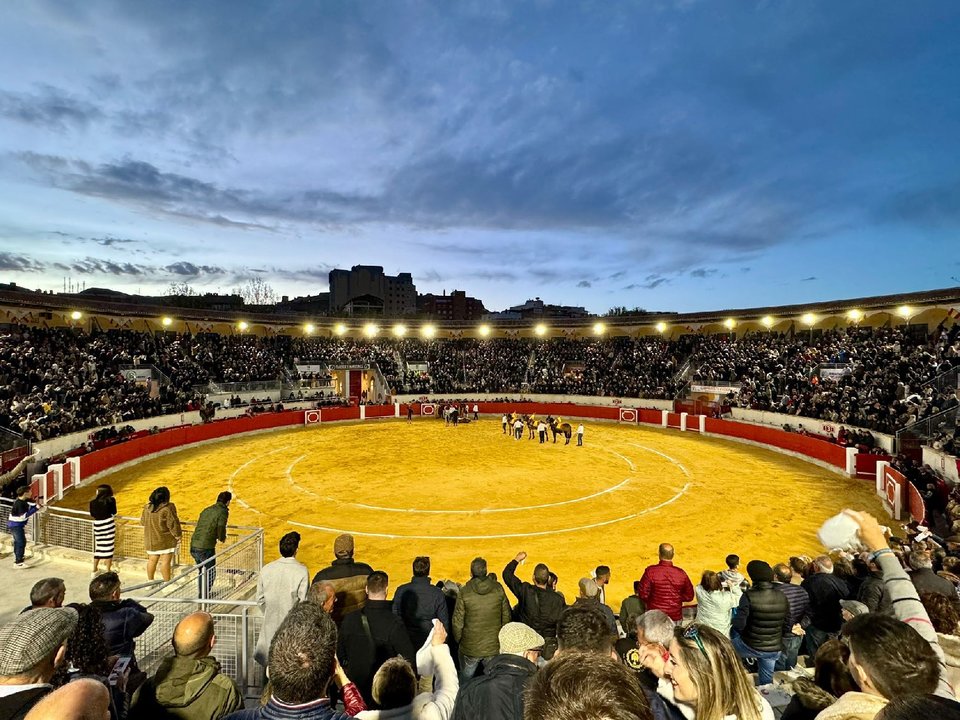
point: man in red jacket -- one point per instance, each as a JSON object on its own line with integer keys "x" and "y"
{"x": 666, "y": 587}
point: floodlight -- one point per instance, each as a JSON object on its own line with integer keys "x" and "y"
{"x": 167, "y": 321}
{"x": 484, "y": 330}
{"x": 855, "y": 315}
{"x": 242, "y": 325}
{"x": 309, "y": 328}
{"x": 340, "y": 329}
{"x": 599, "y": 328}
{"x": 399, "y": 330}
{"x": 905, "y": 311}
{"x": 76, "y": 315}
{"x": 729, "y": 323}
{"x": 370, "y": 330}
{"x": 808, "y": 319}
{"x": 661, "y": 327}
{"x": 767, "y": 321}
{"x": 428, "y": 331}
{"x": 540, "y": 329}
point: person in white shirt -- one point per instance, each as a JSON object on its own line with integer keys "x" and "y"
{"x": 518, "y": 429}
{"x": 504, "y": 421}
{"x": 542, "y": 431}
{"x": 580, "y": 434}
{"x": 476, "y": 411}
{"x": 282, "y": 584}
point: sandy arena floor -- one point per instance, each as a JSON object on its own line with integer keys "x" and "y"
{"x": 406, "y": 489}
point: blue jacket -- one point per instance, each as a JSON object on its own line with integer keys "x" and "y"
{"x": 417, "y": 603}
{"x": 20, "y": 513}
{"x": 275, "y": 710}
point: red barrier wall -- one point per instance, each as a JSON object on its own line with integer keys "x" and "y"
{"x": 379, "y": 411}
{"x": 10, "y": 458}
{"x": 818, "y": 449}
{"x": 339, "y": 413}
{"x": 651, "y": 417}
{"x": 867, "y": 464}
{"x": 673, "y": 420}
{"x": 915, "y": 503}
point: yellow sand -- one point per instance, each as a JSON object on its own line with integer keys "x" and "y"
{"x": 441, "y": 491}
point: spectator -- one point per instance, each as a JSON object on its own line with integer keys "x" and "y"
{"x": 925, "y": 579}
{"x": 395, "y": 684}
{"x": 872, "y": 592}
{"x": 282, "y": 584}
{"x": 31, "y": 647}
{"x": 211, "y": 527}
{"x": 716, "y": 603}
{"x": 189, "y": 685}
{"x": 324, "y": 594}
{"x": 602, "y": 577}
{"x": 585, "y": 685}
{"x": 946, "y": 622}
{"x": 582, "y": 627}
{"x": 920, "y": 707}
{"x": 103, "y": 510}
{"x": 831, "y": 680}
{"x": 538, "y": 606}
{"x": 758, "y": 624}
{"x": 706, "y": 675}
{"x": 83, "y": 699}
{"x": 498, "y": 693}
{"x": 348, "y": 576}
{"x": 123, "y": 620}
{"x": 825, "y": 591}
{"x": 654, "y": 634}
{"x": 665, "y": 586}
{"x": 161, "y": 532}
{"x": 418, "y": 602}
{"x": 48, "y": 593}
{"x": 21, "y": 510}
{"x": 372, "y": 635}
{"x": 798, "y": 616}
{"x": 301, "y": 663}
{"x": 481, "y": 610}
{"x": 732, "y": 575}
{"x": 590, "y": 597}
{"x": 631, "y": 608}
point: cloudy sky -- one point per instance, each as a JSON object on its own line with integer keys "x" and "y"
{"x": 669, "y": 154}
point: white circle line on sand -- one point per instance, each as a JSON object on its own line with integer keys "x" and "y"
{"x": 480, "y": 511}
{"x": 540, "y": 533}
{"x": 665, "y": 456}
{"x": 243, "y": 467}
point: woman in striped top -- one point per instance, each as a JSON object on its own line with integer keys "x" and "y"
{"x": 103, "y": 509}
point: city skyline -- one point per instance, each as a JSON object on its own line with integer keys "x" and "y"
{"x": 676, "y": 156}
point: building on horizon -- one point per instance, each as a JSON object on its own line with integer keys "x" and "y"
{"x": 455, "y": 307}
{"x": 537, "y": 309}
{"x": 358, "y": 290}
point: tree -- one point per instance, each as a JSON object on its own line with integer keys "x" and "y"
{"x": 257, "y": 291}
{"x": 181, "y": 289}
{"x": 622, "y": 311}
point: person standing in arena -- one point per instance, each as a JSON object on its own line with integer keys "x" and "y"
{"x": 580, "y": 435}
{"x": 476, "y": 411}
{"x": 504, "y": 421}
{"x": 518, "y": 429}
{"x": 103, "y": 510}
{"x": 666, "y": 587}
{"x": 542, "y": 431}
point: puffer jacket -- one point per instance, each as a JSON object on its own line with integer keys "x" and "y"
{"x": 760, "y": 617}
{"x": 349, "y": 578}
{"x": 481, "y": 610}
{"x": 666, "y": 587}
{"x": 161, "y": 527}
{"x": 187, "y": 688}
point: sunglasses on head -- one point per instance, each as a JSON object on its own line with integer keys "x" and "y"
{"x": 693, "y": 633}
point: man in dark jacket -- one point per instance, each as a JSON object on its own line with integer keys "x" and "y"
{"x": 348, "y": 576}
{"x": 925, "y": 580}
{"x": 189, "y": 685}
{"x": 211, "y": 527}
{"x": 873, "y": 592}
{"x": 123, "y": 620}
{"x": 664, "y": 586}
{"x": 498, "y": 693}
{"x": 480, "y": 611}
{"x": 826, "y": 590}
{"x": 371, "y": 636}
{"x": 538, "y": 606}
{"x": 758, "y": 623}
{"x": 798, "y": 616}
{"x": 418, "y": 602}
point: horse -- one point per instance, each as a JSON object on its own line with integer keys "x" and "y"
{"x": 561, "y": 428}
{"x": 531, "y": 421}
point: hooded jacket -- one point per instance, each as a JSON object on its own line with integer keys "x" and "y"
{"x": 481, "y": 610}
{"x": 189, "y": 689}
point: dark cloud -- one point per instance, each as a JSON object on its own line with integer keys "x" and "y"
{"x": 51, "y": 108}
{"x": 811, "y": 278}
{"x": 108, "y": 241}
{"x": 13, "y": 262}
{"x": 584, "y": 284}
{"x": 188, "y": 269}
{"x": 702, "y": 273}
{"x": 930, "y": 207}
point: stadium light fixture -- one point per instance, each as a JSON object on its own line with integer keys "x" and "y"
{"x": 167, "y": 321}
{"x": 661, "y": 327}
{"x": 399, "y": 330}
{"x": 808, "y": 319}
{"x": 540, "y": 329}
{"x": 76, "y": 315}
{"x": 729, "y": 323}
{"x": 242, "y": 325}
{"x": 370, "y": 330}
{"x": 599, "y": 328}
{"x": 340, "y": 329}
{"x": 484, "y": 330}
{"x": 855, "y": 315}
{"x": 905, "y": 311}
{"x": 428, "y": 331}
{"x": 309, "y": 328}
{"x": 766, "y": 321}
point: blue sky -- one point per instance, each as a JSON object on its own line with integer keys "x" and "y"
{"x": 679, "y": 155}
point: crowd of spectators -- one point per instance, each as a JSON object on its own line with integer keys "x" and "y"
{"x": 56, "y": 381}
{"x": 869, "y": 632}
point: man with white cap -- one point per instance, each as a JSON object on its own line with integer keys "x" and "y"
{"x": 498, "y": 693}
{"x": 31, "y": 648}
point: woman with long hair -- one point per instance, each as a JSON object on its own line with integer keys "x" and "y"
{"x": 716, "y": 603}
{"x": 103, "y": 510}
{"x": 161, "y": 532}
{"x": 708, "y": 676}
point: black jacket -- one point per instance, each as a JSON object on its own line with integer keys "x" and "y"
{"x": 417, "y": 603}
{"x": 873, "y": 593}
{"x": 760, "y": 617}
{"x": 361, "y": 654}
{"x": 498, "y": 693}
{"x": 123, "y": 621}
{"x": 826, "y": 590}
{"x": 539, "y": 608}
{"x": 799, "y": 602}
{"x": 926, "y": 580}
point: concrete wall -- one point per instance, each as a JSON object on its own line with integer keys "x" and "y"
{"x": 821, "y": 427}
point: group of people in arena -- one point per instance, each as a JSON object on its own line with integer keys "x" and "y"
{"x": 55, "y": 381}
{"x": 849, "y": 636}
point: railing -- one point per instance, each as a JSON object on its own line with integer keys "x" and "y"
{"x": 943, "y": 423}
{"x": 244, "y": 387}
{"x": 946, "y": 381}
{"x": 155, "y": 372}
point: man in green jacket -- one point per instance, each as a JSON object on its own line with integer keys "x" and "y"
{"x": 211, "y": 527}
{"x": 189, "y": 685}
{"x": 481, "y": 610}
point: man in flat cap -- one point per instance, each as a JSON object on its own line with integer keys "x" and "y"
{"x": 348, "y": 576}
{"x": 31, "y": 647}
